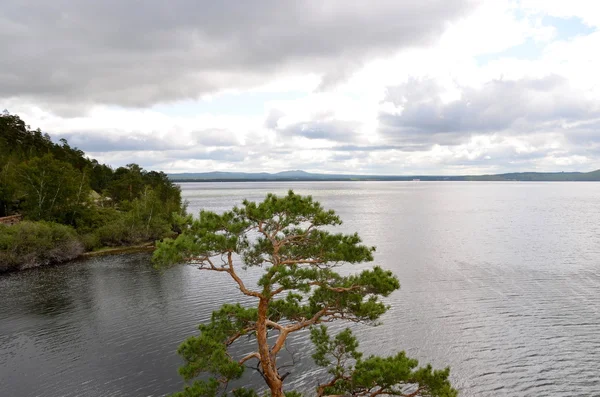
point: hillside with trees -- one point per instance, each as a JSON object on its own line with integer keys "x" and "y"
{"x": 83, "y": 203}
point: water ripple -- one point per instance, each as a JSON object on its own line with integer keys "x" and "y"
{"x": 499, "y": 281}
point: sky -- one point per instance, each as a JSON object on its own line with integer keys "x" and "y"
{"x": 394, "y": 87}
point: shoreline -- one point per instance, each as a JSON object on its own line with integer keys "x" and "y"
{"x": 147, "y": 247}
{"x": 117, "y": 250}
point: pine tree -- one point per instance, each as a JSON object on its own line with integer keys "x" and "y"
{"x": 289, "y": 239}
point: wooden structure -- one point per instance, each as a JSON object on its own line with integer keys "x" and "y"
{"x": 11, "y": 220}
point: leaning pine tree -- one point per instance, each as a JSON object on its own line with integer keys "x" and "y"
{"x": 299, "y": 289}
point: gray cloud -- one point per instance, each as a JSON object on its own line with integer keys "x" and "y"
{"x": 233, "y": 155}
{"x": 134, "y": 53}
{"x": 160, "y": 159}
{"x": 367, "y": 148}
{"x": 92, "y": 141}
{"x": 330, "y": 129}
{"x": 519, "y": 106}
{"x": 273, "y": 118}
{"x": 120, "y": 141}
{"x": 213, "y": 137}
{"x": 585, "y": 133}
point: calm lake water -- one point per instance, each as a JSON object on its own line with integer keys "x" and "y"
{"x": 501, "y": 281}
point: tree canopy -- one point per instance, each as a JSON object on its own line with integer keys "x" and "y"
{"x": 289, "y": 239}
{"x": 34, "y": 169}
{"x": 55, "y": 182}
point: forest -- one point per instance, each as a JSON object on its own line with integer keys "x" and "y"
{"x": 70, "y": 203}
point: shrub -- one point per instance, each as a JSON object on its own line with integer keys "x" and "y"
{"x": 90, "y": 241}
{"x": 92, "y": 217}
{"x": 32, "y": 244}
{"x": 128, "y": 229}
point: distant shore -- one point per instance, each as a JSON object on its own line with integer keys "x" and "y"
{"x": 301, "y": 176}
{"x": 423, "y": 179}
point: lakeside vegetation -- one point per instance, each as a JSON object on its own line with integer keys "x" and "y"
{"x": 71, "y": 203}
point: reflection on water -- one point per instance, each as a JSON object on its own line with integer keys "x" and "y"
{"x": 499, "y": 280}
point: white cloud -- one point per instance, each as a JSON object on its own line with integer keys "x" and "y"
{"x": 588, "y": 11}
{"x": 399, "y": 87}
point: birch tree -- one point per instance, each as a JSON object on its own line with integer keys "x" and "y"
{"x": 52, "y": 190}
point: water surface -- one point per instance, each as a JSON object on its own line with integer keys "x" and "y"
{"x": 501, "y": 281}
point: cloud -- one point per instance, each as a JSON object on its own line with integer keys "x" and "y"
{"x": 393, "y": 87}
{"x": 587, "y": 11}
{"x": 140, "y": 53}
{"x": 326, "y": 128}
{"x": 114, "y": 141}
{"x": 422, "y": 118}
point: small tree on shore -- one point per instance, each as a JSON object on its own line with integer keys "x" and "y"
{"x": 287, "y": 238}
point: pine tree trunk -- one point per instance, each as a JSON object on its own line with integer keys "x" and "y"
{"x": 267, "y": 362}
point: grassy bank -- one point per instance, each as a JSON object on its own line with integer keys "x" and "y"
{"x": 119, "y": 250}
{"x": 33, "y": 244}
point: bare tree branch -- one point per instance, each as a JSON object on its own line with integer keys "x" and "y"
{"x": 249, "y": 357}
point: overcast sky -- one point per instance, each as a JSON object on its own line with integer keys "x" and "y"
{"x": 372, "y": 87}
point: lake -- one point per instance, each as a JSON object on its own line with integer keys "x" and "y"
{"x": 501, "y": 281}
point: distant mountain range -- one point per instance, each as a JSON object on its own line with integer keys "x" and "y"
{"x": 298, "y": 175}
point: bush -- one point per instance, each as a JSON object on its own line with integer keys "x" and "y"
{"x": 144, "y": 219}
{"x": 115, "y": 233}
{"x": 89, "y": 219}
{"x": 90, "y": 241}
{"x": 32, "y": 244}
{"x": 129, "y": 229}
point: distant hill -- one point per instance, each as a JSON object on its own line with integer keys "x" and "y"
{"x": 298, "y": 175}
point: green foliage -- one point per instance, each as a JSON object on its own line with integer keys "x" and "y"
{"x": 18, "y": 140}
{"x": 90, "y": 241}
{"x": 19, "y": 144}
{"x": 352, "y": 375}
{"x": 31, "y": 244}
{"x": 208, "y": 351}
{"x": 47, "y": 181}
{"x": 132, "y": 182}
{"x": 8, "y": 186}
{"x": 290, "y": 239}
{"x": 338, "y": 350}
{"x": 52, "y": 190}
{"x": 127, "y": 183}
{"x": 91, "y": 218}
{"x": 144, "y": 219}
{"x": 211, "y": 388}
